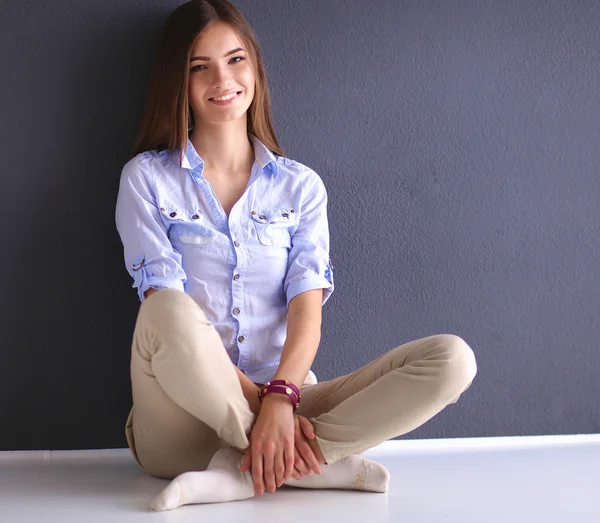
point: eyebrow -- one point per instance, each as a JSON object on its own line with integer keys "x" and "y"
{"x": 208, "y": 59}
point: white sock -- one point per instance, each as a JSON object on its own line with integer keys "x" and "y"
{"x": 352, "y": 472}
{"x": 222, "y": 480}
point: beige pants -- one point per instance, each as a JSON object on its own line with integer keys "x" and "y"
{"x": 188, "y": 401}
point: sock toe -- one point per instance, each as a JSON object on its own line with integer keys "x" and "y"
{"x": 168, "y": 499}
{"x": 378, "y": 477}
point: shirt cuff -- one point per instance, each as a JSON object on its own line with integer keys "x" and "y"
{"x": 156, "y": 282}
{"x": 307, "y": 284}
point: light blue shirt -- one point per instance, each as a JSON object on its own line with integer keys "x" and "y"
{"x": 242, "y": 270}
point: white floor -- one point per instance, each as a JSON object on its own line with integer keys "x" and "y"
{"x": 485, "y": 480}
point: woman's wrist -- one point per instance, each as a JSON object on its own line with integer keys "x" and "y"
{"x": 254, "y": 402}
{"x": 281, "y": 387}
{"x": 274, "y": 399}
{"x": 250, "y": 391}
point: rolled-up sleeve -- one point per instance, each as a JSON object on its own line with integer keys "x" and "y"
{"x": 149, "y": 256}
{"x": 309, "y": 266}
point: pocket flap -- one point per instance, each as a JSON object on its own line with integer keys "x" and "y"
{"x": 275, "y": 216}
{"x": 173, "y": 213}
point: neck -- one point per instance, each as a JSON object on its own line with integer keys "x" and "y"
{"x": 224, "y": 147}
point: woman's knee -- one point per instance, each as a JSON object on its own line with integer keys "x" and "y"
{"x": 461, "y": 365}
{"x": 168, "y": 307}
{"x": 164, "y": 300}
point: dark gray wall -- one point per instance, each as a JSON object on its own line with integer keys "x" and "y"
{"x": 459, "y": 144}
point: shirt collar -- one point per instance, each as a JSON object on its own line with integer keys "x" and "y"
{"x": 262, "y": 155}
{"x": 191, "y": 159}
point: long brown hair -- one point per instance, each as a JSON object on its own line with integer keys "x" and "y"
{"x": 167, "y": 117}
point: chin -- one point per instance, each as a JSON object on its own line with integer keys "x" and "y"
{"x": 225, "y": 119}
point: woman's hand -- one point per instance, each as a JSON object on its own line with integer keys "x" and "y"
{"x": 271, "y": 450}
{"x": 305, "y": 461}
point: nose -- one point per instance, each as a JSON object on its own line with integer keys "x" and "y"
{"x": 221, "y": 76}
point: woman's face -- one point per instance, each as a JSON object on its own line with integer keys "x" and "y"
{"x": 217, "y": 73}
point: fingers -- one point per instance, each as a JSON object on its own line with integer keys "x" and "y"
{"x": 300, "y": 464}
{"x": 308, "y": 456}
{"x": 257, "y": 471}
{"x": 307, "y": 459}
{"x": 289, "y": 460}
{"x": 269, "y": 470}
{"x": 296, "y": 474}
{"x": 273, "y": 473}
{"x": 280, "y": 468}
{"x": 307, "y": 427}
{"x": 247, "y": 462}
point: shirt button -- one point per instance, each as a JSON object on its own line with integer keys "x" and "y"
{"x": 241, "y": 339}
{"x": 236, "y": 243}
{"x": 253, "y": 213}
{"x": 236, "y": 311}
{"x": 236, "y": 277}
{"x": 195, "y": 217}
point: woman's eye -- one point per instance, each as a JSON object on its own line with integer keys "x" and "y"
{"x": 195, "y": 68}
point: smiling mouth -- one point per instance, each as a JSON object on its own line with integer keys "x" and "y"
{"x": 235, "y": 95}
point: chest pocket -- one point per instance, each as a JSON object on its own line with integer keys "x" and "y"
{"x": 187, "y": 226}
{"x": 275, "y": 226}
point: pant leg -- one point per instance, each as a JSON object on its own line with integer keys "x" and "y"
{"x": 187, "y": 398}
{"x": 392, "y": 395}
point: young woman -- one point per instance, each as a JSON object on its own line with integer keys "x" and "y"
{"x": 227, "y": 243}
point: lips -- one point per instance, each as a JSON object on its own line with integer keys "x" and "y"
{"x": 225, "y": 94}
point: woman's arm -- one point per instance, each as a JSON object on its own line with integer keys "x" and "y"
{"x": 150, "y": 291}
{"x": 299, "y": 349}
{"x": 273, "y": 435}
{"x": 303, "y": 338}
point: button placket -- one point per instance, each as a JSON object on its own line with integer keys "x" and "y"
{"x": 237, "y": 235}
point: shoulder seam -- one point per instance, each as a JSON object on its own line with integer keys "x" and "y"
{"x": 145, "y": 172}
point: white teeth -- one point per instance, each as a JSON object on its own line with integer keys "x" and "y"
{"x": 226, "y": 97}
